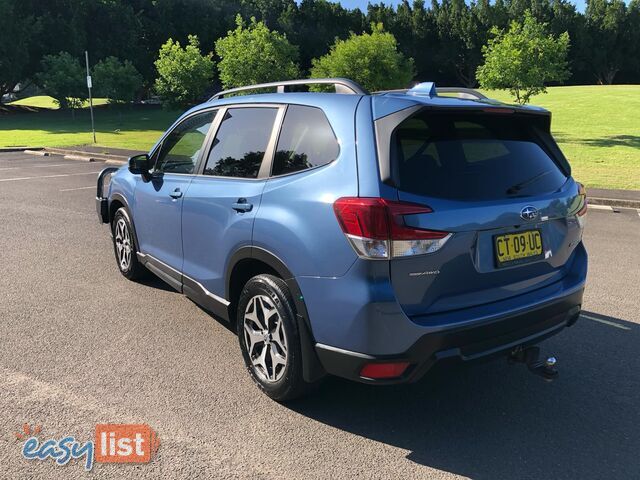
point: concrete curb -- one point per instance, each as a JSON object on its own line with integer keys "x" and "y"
{"x": 80, "y": 155}
{"x": 614, "y": 202}
{"x": 81, "y": 158}
{"x": 40, "y": 153}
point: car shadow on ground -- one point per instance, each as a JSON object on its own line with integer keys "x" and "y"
{"x": 607, "y": 141}
{"x": 155, "y": 282}
{"x": 498, "y": 421}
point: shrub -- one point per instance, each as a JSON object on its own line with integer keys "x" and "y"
{"x": 63, "y": 78}
{"x": 183, "y": 73}
{"x": 524, "y": 59}
{"x": 371, "y": 59}
{"x": 116, "y": 80}
{"x": 254, "y": 54}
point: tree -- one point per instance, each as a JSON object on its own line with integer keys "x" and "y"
{"x": 63, "y": 78}
{"x": 633, "y": 29}
{"x": 524, "y": 59}
{"x": 254, "y": 54}
{"x": 16, "y": 37}
{"x": 609, "y": 39}
{"x": 372, "y": 59}
{"x": 314, "y": 25}
{"x": 183, "y": 73}
{"x": 116, "y": 80}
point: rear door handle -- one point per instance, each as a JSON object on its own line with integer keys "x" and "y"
{"x": 242, "y": 206}
{"x": 176, "y": 193}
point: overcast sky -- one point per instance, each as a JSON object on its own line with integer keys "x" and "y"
{"x": 362, "y": 4}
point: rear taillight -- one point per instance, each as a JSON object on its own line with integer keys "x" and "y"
{"x": 377, "y": 230}
{"x": 582, "y": 193}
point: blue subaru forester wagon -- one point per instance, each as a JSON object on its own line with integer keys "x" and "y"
{"x": 362, "y": 235}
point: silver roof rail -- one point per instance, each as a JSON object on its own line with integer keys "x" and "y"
{"x": 342, "y": 85}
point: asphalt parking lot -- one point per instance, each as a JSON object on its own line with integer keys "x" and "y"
{"x": 80, "y": 345}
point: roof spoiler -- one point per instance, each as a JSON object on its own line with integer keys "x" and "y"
{"x": 429, "y": 89}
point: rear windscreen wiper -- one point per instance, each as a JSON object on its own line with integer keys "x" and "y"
{"x": 513, "y": 189}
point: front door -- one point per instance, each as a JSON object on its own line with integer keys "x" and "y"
{"x": 221, "y": 204}
{"x": 158, "y": 203}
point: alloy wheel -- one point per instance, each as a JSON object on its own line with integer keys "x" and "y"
{"x": 123, "y": 244}
{"x": 265, "y": 338}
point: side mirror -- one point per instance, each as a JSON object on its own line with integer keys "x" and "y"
{"x": 140, "y": 165}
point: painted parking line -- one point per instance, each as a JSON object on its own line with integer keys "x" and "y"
{"x": 42, "y": 166}
{"x": 601, "y": 207}
{"x": 48, "y": 176}
{"x": 79, "y": 188}
{"x": 606, "y": 322}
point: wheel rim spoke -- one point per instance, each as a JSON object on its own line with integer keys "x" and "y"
{"x": 261, "y": 363}
{"x": 253, "y": 337}
{"x": 277, "y": 360}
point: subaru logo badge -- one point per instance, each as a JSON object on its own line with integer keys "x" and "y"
{"x": 529, "y": 213}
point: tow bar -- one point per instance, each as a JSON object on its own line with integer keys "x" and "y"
{"x": 530, "y": 356}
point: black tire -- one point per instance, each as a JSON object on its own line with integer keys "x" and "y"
{"x": 290, "y": 384}
{"x": 132, "y": 269}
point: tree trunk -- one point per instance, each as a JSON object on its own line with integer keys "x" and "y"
{"x": 466, "y": 75}
{"x": 606, "y": 77}
{"x": 610, "y": 75}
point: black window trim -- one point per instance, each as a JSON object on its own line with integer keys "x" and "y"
{"x": 156, "y": 150}
{"x": 265, "y": 167}
{"x": 306, "y": 169}
{"x": 267, "y": 163}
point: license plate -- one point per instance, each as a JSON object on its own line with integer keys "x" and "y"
{"x": 517, "y": 247}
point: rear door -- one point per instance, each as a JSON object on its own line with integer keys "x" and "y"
{"x": 221, "y": 204}
{"x": 497, "y": 182}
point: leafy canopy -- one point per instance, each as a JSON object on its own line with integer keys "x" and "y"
{"x": 523, "y": 59}
{"x": 16, "y": 37}
{"x": 254, "y": 54}
{"x": 183, "y": 73}
{"x": 116, "y": 80}
{"x": 371, "y": 59}
{"x": 63, "y": 78}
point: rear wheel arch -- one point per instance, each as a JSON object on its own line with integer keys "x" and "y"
{"x": 248, "y": 262}
{"x": 241, "y": 271}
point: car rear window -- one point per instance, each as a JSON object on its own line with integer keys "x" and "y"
{"x": 473, "y": 156}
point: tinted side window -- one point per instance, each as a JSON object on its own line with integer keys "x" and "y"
{"x": 180, "y": 149}
{"x": 241, "y": 142}
{"x": 306, "y": 141}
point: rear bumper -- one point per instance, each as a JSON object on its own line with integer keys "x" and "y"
{"x": 481, "y": 340}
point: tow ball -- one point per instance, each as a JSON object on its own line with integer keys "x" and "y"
{"x": 530, "y": 356}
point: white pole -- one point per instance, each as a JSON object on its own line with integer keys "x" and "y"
{"x": 93, "y": 128}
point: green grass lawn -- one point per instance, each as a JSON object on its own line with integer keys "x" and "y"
{"x": 598, "y": 128}
{"x": 133, "y": 128}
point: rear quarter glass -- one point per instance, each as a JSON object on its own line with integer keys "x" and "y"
{"x": 473, "y": 156}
